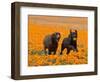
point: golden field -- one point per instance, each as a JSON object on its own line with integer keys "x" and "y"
{"x": 40, "y": 26}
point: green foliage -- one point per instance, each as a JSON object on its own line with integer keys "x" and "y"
{"x": 71, "y": 62}
{"x": 63, "y": 62}
{"x": 41, "y": 52}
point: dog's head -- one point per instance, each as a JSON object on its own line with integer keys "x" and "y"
{"x": 56, "y": 36}
{"x": 73, "y": 35}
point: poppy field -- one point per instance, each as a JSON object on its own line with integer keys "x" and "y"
{"x": 40, "y": 26}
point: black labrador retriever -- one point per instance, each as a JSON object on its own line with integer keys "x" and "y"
{"x": 70, "y": 42}
{"x": 51, "y": 42}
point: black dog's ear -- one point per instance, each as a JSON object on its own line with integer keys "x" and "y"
{"x": 70, "y": 30}
{"x": 76, "y": 31}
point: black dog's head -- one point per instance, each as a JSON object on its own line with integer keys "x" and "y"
{"x": 73, "y": 35}
{"x": 56, "y": 36}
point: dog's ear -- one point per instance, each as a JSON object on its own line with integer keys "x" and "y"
{"x": 76, "y": 31}
{"x": 70, "y": 30}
